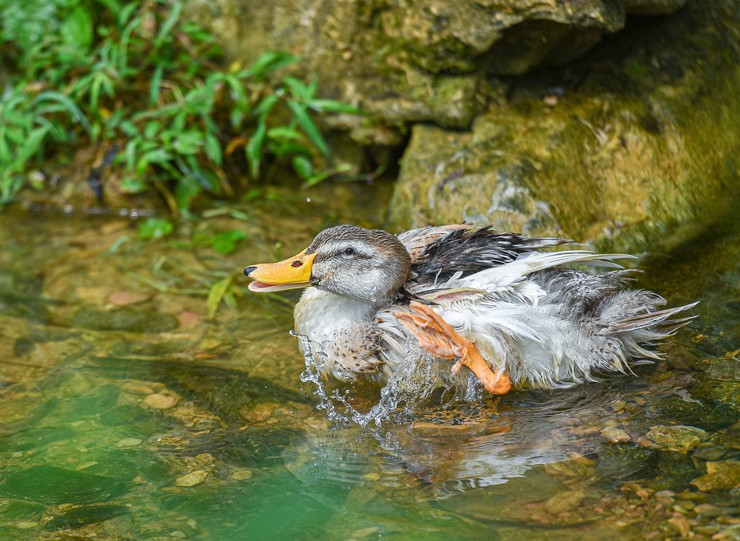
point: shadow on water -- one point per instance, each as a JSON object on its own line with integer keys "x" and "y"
{"x": 192, "y": 428}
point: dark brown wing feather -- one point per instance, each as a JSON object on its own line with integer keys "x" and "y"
{"x": 439, "y": 252}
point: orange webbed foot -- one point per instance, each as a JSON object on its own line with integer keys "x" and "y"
{"x": 437, "y": 337}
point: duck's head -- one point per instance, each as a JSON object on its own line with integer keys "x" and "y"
{"x": 364, "y": 264}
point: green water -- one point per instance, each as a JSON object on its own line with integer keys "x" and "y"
{"x": 137, "y": 417}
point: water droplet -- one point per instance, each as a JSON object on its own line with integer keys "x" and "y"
{"x": 409, "y": 385}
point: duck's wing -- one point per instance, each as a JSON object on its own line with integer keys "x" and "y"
{"x": 459, "y": 250}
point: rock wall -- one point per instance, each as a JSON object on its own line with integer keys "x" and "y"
{"x": 409, "y": 61}
{"x": 509, "y": 122}
{"x": 639, "y": 139}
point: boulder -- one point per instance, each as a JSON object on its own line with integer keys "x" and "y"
{"x": 409, "y": 61}
{"x": 638, "y": 139}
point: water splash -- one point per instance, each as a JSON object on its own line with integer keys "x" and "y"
{"x": 411, "y": 384}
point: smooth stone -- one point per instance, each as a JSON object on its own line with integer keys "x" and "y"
{"x": 723, "y": 475}
{"x": 192, "y": 479}
{"x": 160, "y": 401}
{"x": 615, "y": 435}
{"x": 564, "y": 502}
{"x": 675, "y": 438}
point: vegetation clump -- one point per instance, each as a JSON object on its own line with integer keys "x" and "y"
{"x": 135, "y": 79}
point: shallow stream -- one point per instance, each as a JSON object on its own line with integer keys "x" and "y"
{"x": 127, "y": 413}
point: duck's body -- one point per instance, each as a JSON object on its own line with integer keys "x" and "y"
{"x": 516, "y": 314}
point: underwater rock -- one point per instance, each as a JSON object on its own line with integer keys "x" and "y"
{"x": 82, "y": 516}
{"x": 564, "y": 502}
{"x": 159, "y": 401}
{"x": 675, "y": 438}
{"x": 125, "y": 319}
{"x": 724, "y": 369}
{"x": 624, "y": 462}
{"x": 52, "y": 485}
{"x": 723, "y": 475}
{"x": 615, "y": 435}
{"x": 192, "y": 479}
{"x": 241, "y": 474}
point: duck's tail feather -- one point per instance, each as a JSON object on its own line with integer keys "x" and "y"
{"x": 660, "y": 319}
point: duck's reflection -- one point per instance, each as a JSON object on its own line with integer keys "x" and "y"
{"x": 465, "y": 446}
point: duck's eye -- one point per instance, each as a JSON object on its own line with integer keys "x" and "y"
{"x": 349, "y": 251}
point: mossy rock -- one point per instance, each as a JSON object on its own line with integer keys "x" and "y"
{"x": 639, "y": 139}
{"x": 417, "y": 61}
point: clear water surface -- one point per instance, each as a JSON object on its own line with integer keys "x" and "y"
{"x": 126, "y": 413}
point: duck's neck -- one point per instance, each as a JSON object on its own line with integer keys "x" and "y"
{"x": 323, "y": 316}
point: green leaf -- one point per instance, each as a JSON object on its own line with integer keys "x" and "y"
{"x": 216, "y": 294}
{"x": 30, "y": 146}
{"x": 239, "y": 215}
{"x": 151, "y": 129}
{"x": 112, "y": 5}
{"x": 323, "y": 175}
{"x": 303, "y": 166}
{"x": 95, "y": 93}
{"x": 129, "y": 128}
{"x": 252, "y": 194}
{"x": 313, "y": 133}
{"x": 155, "y": 83}
{"x": 189, "y": 142}
{"x": 77, "y": 29}
{"x": 253, "y": 149}
{"x": 126, "y": 12}
{"x": 154, "y": 228}
{"x": 268, "y": 62}
{"x": 265, "y": 105}
{"x": 125, "y": 38}
{"x": 185, "y": 192}
{"x": 158, "y": 156}
{"x": 67, "y": 103}
{"x": 117, "y": 244}
{"x": 297, "y": 88}
{"x": 284, "y": 133}
{"x": 213, "y": 149}
{"x": 287, "y": 148}
{"x": 133, "y": 185}
{"x": 229, "y": 299}
{"x": 235, "y": 117}
{"x": 227, "y": 241}
{"x": 332, "y": 106}
{"x": 168, "y": 24}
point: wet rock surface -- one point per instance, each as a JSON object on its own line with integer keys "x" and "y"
{"x": 675, "y": 438}
{"x": 416, "y": 61}
{"x": 620, "y": 149}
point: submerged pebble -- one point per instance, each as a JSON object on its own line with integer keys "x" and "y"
{"x": 192, "y": 479}
{"x": 159, "y": 401}
{"x": 124, "y": 298}
{"x": 564, "y": 502}
{"x": 615, "y": 435}
{"x": 241, "y": 474}
{"x": 675, "y": 438}
{"x": 723, "y": 475}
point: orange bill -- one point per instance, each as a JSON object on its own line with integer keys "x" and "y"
{"x": 291, "y": 273}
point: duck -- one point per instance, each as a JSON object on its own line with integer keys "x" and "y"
{"x": 517, "y": 312}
